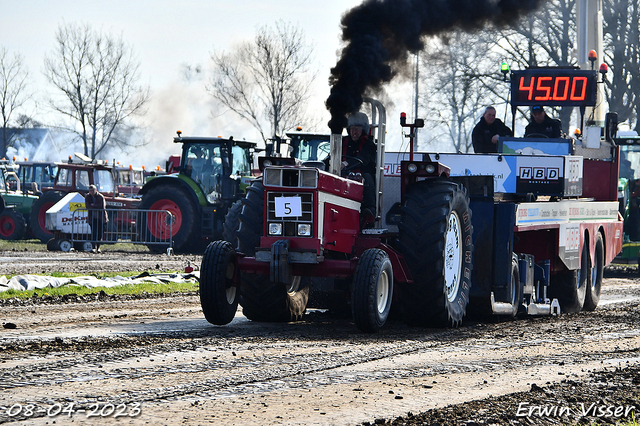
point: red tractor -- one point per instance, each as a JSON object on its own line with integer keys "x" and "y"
{"x": 301, "y": 221}
{"x": 76, "y": 177}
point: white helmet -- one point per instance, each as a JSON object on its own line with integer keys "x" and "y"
{"x": 359, "y": 119}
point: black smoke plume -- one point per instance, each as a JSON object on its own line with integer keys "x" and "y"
{"x": 379, "y": 35}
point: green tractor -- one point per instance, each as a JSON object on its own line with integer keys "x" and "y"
{"x": 213, "y": 173}
{"x": 629, "y": 198}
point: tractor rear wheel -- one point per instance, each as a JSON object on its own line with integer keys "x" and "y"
{"x": 263, "y": 300}
{"x": 181, "y": 226}
{"x": 372, "y": 290}
{"x": 232, "y": 223}
{"x": 218, "y": 294}
{"x": 38, "y": 215}
{"x": 570, "y": 287}
{"x": 592, "y": 298}
{"x": 435, "y": 239}
{"x": 12, "y": 225}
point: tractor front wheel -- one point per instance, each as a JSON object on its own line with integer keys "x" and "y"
{"x": 372, "y": 290}
{"x": 218, "y": 293}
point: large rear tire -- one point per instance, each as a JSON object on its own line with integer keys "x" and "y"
{"x": 38, "y": 215}
{"x": 218, "y": 294}
{"x": 232, "y": 223}
{"x": 570, "y": 287}
{"x": 592, "y": 298}
{"x": 263, "y": 300}
{"x": 372, "y": 290}
{"x": 435, "y": 239}
{"x": 12, "y": 225}
{"x": 184, "y": 222}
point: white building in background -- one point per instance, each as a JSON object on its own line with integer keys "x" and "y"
{"x": 37, "y": 144}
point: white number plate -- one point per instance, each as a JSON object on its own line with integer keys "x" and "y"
{"x": 288, "y": 207}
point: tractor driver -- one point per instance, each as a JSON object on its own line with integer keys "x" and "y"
{"x": 359, "y": 144}
{"x": 542, "y": 125}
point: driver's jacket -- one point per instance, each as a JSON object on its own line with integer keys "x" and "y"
{"x": 364, "y": 149}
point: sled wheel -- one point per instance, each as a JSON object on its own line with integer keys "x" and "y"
{"x": 570, "y": 287}
{"x": 592, "y": 297}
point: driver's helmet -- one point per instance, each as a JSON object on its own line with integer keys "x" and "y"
{"x": 359, "y": 119}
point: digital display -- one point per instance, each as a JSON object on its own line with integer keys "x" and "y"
{"x": 553, "y": 87}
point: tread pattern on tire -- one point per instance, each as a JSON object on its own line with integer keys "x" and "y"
{"x": 425, "y": 215}
{"x": 213, "y": 276}
{"x": 365, "y": 298}
{"x": 232, "y": 223}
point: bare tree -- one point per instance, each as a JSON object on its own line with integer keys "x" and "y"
{"x": 622, "y": 53}
{"x": 268, "y": 78}
{"x": 97, "y": 77}
{"x": 544, "y": 38}
{"x": 459, "y": 83}
{"x": 13, "y": 84}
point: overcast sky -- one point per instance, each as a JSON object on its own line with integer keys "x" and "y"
{"x": 169, "y": 34}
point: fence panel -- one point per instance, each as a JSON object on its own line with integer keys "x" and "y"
{"x": 149, "y": 227}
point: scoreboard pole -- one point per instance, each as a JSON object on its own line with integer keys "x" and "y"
{"x": 590, "y": 37}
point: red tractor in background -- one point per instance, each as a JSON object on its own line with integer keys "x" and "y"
{"x": 76, "y": 176}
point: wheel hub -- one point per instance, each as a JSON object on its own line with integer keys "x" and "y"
{"x": 382, "y": 292}
{"x": 453, "y": 256}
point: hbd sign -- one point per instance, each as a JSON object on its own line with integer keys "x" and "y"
{"x": 539, "y": 173}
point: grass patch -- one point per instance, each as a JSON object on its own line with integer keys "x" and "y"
{"x": 36, "y": 245}
{"x": 127, "y": 289}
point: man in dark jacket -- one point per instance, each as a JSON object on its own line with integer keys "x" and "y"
{"x": 542, "y": 124}
{"x": 97, "y": 216}
{"x": 358, "y": 144}
{"x": 489, "y": 128}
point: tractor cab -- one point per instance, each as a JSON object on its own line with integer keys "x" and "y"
{"x": 217, "y": 165}
{"x": 42, "y": 173}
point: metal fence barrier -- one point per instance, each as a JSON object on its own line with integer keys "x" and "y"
{"x": 153, "y": 228}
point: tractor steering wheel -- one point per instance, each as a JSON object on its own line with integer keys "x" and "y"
{"x": 537, "y": 135}
{"x": 354, "y": 163}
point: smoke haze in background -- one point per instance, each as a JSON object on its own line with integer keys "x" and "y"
{"x": 380, "y": 34}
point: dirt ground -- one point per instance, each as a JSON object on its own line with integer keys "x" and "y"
{"x": 155, "y": 360}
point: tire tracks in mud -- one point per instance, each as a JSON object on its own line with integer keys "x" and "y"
{"x": 247, "y": 364}
{"x": 321, "y": 352}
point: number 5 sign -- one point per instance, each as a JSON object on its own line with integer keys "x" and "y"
{"x": 288, "y": 207}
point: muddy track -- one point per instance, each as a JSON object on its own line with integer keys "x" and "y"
{"x": 157, "y": 361}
